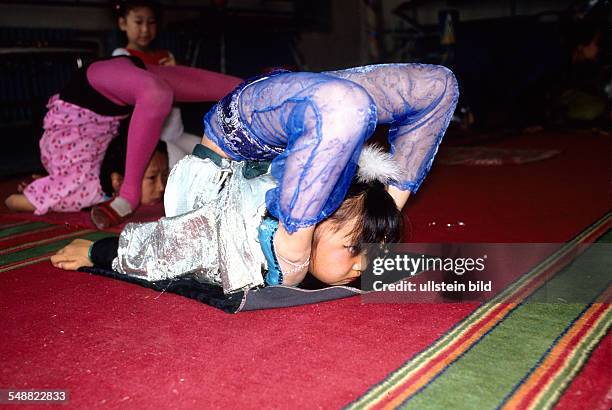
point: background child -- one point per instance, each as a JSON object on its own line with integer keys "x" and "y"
{"x": 84, "y": 118}
{"x": 155, "y": 177}
{"x": 140, "y": 22}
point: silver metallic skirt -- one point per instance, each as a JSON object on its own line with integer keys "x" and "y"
{"x": 210, "y": 229}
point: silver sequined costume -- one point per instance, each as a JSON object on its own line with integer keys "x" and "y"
{"x": 210, "y": 230}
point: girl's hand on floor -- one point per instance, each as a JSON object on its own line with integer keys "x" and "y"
{"x": 73, "y": 256}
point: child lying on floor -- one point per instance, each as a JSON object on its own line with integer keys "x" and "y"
{"x": 155, "y": 177}
{"x": 313, "y": 128}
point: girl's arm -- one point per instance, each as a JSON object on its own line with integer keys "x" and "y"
{"x": 323, "y": 122}
{"x": 418, "y": 101}
{"x": 400, "y": 197}
{"x": 293, "y": 253}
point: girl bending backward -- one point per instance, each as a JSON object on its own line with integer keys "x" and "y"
{"x": 272, "y": 192}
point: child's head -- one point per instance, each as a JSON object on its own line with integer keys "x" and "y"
{"x": 155, "y": 176}
{"x": 138, "y": 20}
{"x": 368, "y": 215}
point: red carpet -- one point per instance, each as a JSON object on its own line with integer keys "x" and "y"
{"x": 82, "y": 219}
{"x": 117, "y": 345}
{"x": 540, "y": 202}
{"x": 593, "y": 383}
{"x": 484, "y": 156}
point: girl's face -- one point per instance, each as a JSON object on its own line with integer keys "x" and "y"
{"x": 155, "y": 178}
{"x": 153, "y": 182}
{"x": 334, "y": 259}
{"x": 140, "y": 27}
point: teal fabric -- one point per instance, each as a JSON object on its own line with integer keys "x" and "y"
{"x": 203, "y": 152}
{"x": 267, "y": 229}
{"x": 252, "y": 169}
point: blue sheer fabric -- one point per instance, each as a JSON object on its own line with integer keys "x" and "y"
{"x": 314, "y": 125}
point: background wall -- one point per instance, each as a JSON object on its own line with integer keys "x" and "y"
{"x": 342, "y": 43}
{"x": 337, "y": 45}
{"x": 502, "y": 49}
{"x": 426, "y": 12}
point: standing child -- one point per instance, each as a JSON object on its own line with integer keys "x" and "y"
{"x": 139, "y": 20}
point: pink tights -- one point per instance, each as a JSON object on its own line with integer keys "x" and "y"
{"x": 151, "y": 92}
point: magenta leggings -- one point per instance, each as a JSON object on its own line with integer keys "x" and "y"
{"x": 151, "y": 93}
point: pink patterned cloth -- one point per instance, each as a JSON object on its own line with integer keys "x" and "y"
{"x": 72, "y": 149}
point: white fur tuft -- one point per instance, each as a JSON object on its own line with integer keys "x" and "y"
{"x": 376, "y": 165}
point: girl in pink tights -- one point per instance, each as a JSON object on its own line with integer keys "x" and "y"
{"x": 84, "y": 117}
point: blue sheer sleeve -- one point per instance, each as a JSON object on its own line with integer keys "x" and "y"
{"x": 418, "y": 101}
{"x": 323, "y": 120}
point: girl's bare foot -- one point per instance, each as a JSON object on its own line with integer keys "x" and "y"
{"x": 19, "y": 203}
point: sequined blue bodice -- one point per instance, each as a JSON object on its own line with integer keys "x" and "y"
{"x": 227, "y": 130}
{"x": 313, "y": 126}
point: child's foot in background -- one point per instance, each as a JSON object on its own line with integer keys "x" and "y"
{"x": 110, "y": 213}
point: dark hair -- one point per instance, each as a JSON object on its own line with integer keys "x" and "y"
{"x": 377, "y": 219}
{"x": 114, "y": 161}
{"x": 372, "y": 208}
{"x": 122, "y": 8}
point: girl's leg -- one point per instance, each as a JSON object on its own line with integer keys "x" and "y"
{"x": 193, "y": 84}
{"x": 418, "y": 101}
{"x": 151, "y": 92}
{"x": 71, "y": 150}
{"x": 122, "y": 82}
{"x": 323, "y": 121}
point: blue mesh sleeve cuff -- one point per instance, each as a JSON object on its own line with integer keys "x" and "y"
{"x": 406, "y": 186}
{"x": 267, "y": 229}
